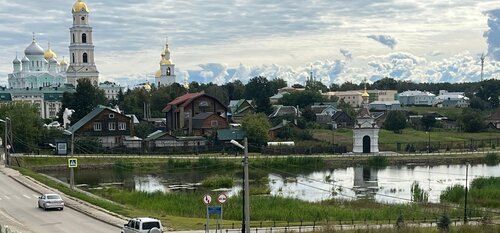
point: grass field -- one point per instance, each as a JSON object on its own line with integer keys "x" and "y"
{"x": 483, "y": 192}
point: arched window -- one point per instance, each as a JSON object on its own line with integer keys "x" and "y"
{"x": 85, "y": 58}
{"x": 73, "y": 57}
{"x": 73, "y": 37}
{"x": 84, "y": 38}
{"x": 168, "y": 71}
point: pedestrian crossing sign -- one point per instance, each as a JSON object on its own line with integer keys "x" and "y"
{"x": 72, "y": 162}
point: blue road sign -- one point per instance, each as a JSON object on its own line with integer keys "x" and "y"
{"x": 215, "y": 210}
{"x": 72, "y": 162}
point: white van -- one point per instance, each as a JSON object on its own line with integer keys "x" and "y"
{"x": 143, "y": 225}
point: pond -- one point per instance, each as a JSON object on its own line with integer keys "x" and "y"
{"x": 391, "y": 184}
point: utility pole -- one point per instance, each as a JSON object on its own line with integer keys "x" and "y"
{"x": 247, "y": 187}
{"x": 482, "y": 64}
{"x": 466, "y": 190}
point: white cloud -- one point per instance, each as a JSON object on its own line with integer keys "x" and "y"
{"x": 385, "y": 40}
{"x": 346, "y": 53}
{"x": 493, "y": 34}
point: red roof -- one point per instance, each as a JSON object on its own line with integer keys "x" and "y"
{"x": 181, "y": 100}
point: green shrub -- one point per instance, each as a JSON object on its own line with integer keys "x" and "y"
{"x": 492, "y": 159}
{"x": 444, "y": 223}
{"x": 418, "y": 194}
{"x": 378, "y": 161}
{"x": 218, "y": 182}
{"x": 453, "y": 194}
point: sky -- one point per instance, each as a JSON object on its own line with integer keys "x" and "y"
{"x": 227, "y": 40}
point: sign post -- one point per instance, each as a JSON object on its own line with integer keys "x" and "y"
{"x": 72, "y": 163}
{"x": 207, "y": 199}
{"x": 222, "y": 198}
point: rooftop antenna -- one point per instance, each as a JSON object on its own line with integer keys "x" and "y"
{"x": 482, "y": 64}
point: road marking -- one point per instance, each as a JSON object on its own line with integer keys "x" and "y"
{"x": 27, "y": 196}
{"x": 0, "y": 198}
{"x": 35, "y": 196}
{"x": 7, "y": 197}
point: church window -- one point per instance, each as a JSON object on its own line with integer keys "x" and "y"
{"x": 73, "y": 37}
{"x": 85, "y": 58}
{"x": 73, "y": 57}
{"x": 83, "y": 18}
{"x": 84, "y": 38}
{"x": 168, "y": 71}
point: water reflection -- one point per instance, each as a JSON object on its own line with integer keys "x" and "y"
{"x": 388, "y": 185}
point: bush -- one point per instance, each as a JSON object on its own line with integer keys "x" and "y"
{"x": 378, "y": 161}
{"x": 444, "y": 223}
{"x": 492, "y": 159}
{"x": 218, "y": 182}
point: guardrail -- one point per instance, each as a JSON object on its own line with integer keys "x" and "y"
{"x": 6, "y": 229}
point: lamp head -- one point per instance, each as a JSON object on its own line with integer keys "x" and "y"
{"x": 67, "y": 132}
{"x": 234, "y": 142}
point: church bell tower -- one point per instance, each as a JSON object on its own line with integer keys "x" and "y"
{"x": 81, "y": 48}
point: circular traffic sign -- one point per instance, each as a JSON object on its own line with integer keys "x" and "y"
{"x": 222, "y": 198}
{"x": 207, "y": 199}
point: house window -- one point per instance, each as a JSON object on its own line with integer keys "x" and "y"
{"x": 97, "y": 126}
{"x": 122, "y": 126}
{"x": 112, "y": 125}
{"x": 214, "y": 124}
{"x": 111, "y": 115}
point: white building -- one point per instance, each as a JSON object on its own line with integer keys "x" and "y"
{"x": 111, "y": 90}
{"x": 451, "y": 99}
{"x": 365, "y": 132}
{"x": 37, "y": 68}
{"x": 166, "y": 74}
{"x": 81, "y": 48}
{"x": 416, "y": 98}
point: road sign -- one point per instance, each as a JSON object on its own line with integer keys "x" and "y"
{"x": 214, "y": 210}
{"x": 222, "y": 198}
{"x": 72, "y": 162}
{"x": 207, "y": 199}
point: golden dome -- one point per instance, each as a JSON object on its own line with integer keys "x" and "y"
{"x": 147, "y": 87}
{"x": 63, "y": 62}
{"x": 165, "y": 62}
{"x": 80, "y": 6}
{"x": 365, "y": 94}
{"x": 158, "y": 73}
{"x": 49, "y": 54}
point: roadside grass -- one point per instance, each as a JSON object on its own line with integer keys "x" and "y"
{"x": 452, "y": 113}
{"x": 271, "y": 208}
{"x": 483, "y": 192}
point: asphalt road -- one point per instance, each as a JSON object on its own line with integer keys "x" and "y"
{"x": 18, "y": 207}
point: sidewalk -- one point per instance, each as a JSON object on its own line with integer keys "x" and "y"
{"x": 70, "y": 202}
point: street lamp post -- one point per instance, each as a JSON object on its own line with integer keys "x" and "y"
{"x": 246, "y": 188}
{"x": 4, "y": 142}
{"x": 71, "y": 169}
{"x": 428, "y": 141}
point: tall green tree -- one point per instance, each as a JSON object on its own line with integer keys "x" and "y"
{"x": 257, "y": 128}
{"x": 235, "y": 90}
{"x": 259, "y": 89}
{"x": 276, "y": 84}
{"x": 428, "y": 121}
{"x": 84, "y": 100}
{"x": 490, "y": 92}
{"x": 302, "y": 98}
{"x": 316, "y": 86}
{"x": 385, "y": 84}
{"x": 471, "y": 121}
{"x": 26, "y": 125}
{"x": 395, "y": 121}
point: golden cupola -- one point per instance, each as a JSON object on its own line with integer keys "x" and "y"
{"x": 80, "y": 6}
{"x": 48, "y": 54}
{"x": 158, "y": 74}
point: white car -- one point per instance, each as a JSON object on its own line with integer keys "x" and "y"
{"x": 143, "y": 225}
{"x": 50, "y": 201}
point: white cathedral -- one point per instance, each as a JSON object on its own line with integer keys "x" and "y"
{"x": 39, "y": 68}
{"x": 166, "y": 74}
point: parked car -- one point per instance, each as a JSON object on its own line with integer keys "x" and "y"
{"x": 143, "y": 225}
{"x": 50, "y": 201}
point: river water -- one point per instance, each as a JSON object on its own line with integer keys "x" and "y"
{"x": 391, "y": 184}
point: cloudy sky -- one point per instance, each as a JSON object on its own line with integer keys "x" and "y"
{"x": 225, "y": 40}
